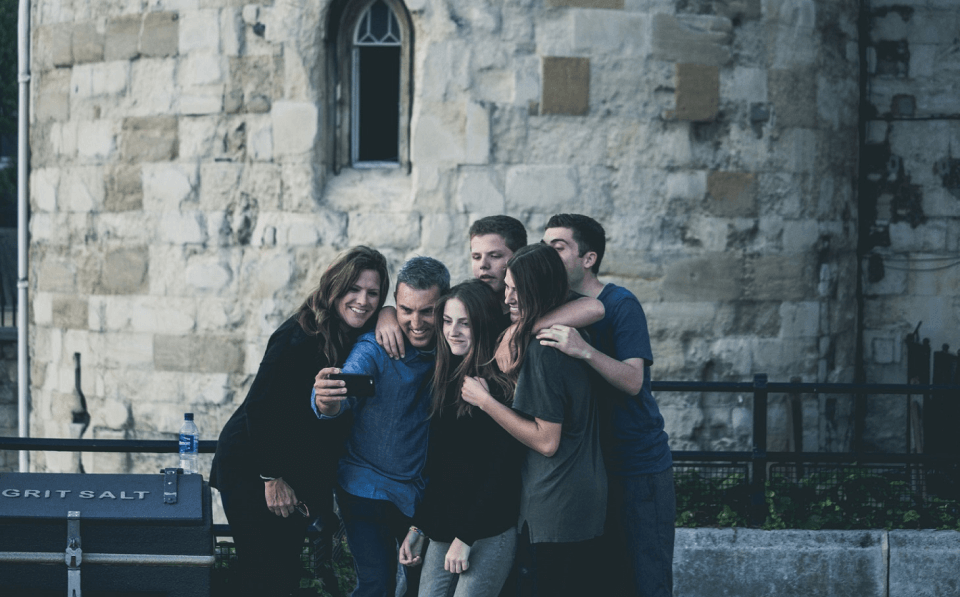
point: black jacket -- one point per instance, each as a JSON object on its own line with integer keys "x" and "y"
{"x": 275, "y": 432}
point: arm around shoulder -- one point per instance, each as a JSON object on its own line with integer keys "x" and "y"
{"x": 537, "y": 434}
{"x": 578, "y": 313}
{"x": 626, "y": 376}
{"x": 540, "y": 436}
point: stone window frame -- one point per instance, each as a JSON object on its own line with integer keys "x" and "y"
{"x": 343, "y": 28}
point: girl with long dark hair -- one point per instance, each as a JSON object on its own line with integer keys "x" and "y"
{"x": 470, "y": 507}
{"x": 273, "y": 466}
{"x": 564, "y": 488}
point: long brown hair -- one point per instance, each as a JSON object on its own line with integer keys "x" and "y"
{"x": 318, "y": 314}
{"x": 541, "y": 283}
{"x": 484, "y": 312}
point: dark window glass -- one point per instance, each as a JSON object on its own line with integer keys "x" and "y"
{"x": 379, "y": 90}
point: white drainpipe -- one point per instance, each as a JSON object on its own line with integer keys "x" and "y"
{"x": 23, "y": 245}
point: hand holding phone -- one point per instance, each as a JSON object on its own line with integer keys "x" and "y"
{"x": 329, "y": 393}
{"x": 360, "y": 386}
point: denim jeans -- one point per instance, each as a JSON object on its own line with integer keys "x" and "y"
{"x": 374, "y": 530}
{"x": 638, "y": 543}
{"x": 490, "y": 561}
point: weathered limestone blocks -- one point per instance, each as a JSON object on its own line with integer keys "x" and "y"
{"x": 918, "y": 559}
{"x": 718, "y": 277}
{"x": 541, "y": 188}
{"x": 53, "y": 95}
{"x": 184, "y": 200}
{"x": 368, "y": 190}
{"x": 790, "y": 37}
{"x": 294, "y": 127}
{"x": 393, "y": 230}
{"x": 697, "y": 93}
{"x": 123, "y": 270}
{"x": 607, "y": 4}
{"x": 142, "y": 314}
{"x": 203, "y": 354}
{"x": 732, "y": 194}
{"x": 566, "y": 86}
{"x": 69, "y": 312}
{"x": 822, "y": 563}
{"x": 149, "y": 139}
{"x": 913, "y": 191}
{"x": 691, "y": 39}
{"x": 793, "y": 94}
{"x": 609, "y": 32}
{"x": 480, "y": 191}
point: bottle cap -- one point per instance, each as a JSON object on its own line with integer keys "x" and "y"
{"x": 187, "y": 416}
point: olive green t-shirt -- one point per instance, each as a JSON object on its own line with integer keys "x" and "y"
{"x": 563, "y": 498}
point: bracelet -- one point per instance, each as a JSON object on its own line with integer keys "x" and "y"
{"x": 266, "y": 478}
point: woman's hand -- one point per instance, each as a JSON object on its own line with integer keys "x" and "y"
{"x": 329, "y": 393}
{"x": 476, "y": 391}
{"x": 565, "y": 339}
{"x": 411, "y": 549}
{"x": 280, "y": 497}
{"x": 389, "y": 334}
{"x": 457, "y": 558}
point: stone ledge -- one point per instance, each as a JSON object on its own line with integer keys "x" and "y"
{"x": 876, "y": 563}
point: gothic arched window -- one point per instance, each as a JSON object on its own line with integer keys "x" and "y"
{"x": 373, "y": 85}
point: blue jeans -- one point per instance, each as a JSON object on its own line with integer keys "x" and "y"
{"x": 374, "y": 530}
{"x": 638, "y": 542}
{"x": 490, "y": 561}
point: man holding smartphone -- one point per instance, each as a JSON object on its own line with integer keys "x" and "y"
{"x": 380, "y": 480}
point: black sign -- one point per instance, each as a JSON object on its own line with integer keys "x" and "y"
{"x": 107, "y": 497}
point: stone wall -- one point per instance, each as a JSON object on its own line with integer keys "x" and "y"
{"x": 910, "y": 226}
{"x": 183, "y": 200}
{"x": 794, "y": 563}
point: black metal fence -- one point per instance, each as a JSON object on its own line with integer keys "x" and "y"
{"x": 936, "y": 424}
{"x": 734, "y": 475}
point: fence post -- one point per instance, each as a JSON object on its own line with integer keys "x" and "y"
{"x": 759, "y": 475}
{"x": 941, "y": 412}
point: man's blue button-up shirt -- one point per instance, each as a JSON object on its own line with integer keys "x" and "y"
{"x": 387, "y": 447}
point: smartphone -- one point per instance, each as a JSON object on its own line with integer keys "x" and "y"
{"x": 361, "y": 386}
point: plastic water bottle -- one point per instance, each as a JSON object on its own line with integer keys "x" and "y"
{"x": 189, "y": 444}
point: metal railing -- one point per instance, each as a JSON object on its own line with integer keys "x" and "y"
{"x": 758, "y": 460}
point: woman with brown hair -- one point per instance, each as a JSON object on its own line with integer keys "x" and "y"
{"x": 470, "y": 507}
{"x": 272, "y": 465}
{"x": 563, "y": 482}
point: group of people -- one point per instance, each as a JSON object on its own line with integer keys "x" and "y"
{"x": 511, "y": 444}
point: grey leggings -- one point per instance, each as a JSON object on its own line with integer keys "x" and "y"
{"x": 490, "y": 562}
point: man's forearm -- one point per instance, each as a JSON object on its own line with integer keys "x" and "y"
{"x": 626, "y": 376}
{"x": 577, "y": 314}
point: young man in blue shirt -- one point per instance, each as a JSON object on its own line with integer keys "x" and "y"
{"x": 380, "y": 477}
{"x": 639, "y": 533}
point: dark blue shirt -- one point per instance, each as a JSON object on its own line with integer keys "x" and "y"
{"x": 633, "y": 427}
{"x": 387, "y": 447}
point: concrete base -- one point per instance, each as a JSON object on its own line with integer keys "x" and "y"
{"x": 755, "y": 563}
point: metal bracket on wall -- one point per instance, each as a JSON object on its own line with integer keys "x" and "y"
{"x": 73, "y": 555}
